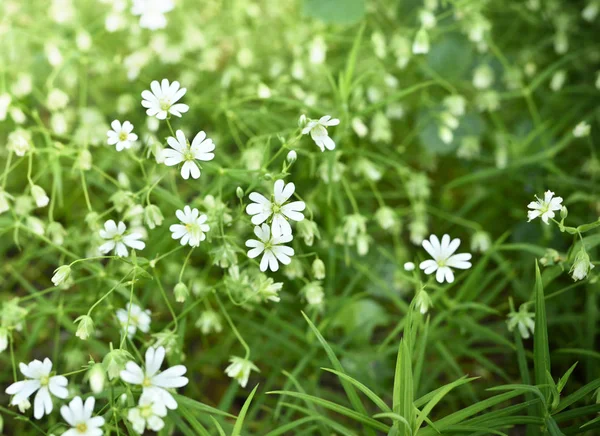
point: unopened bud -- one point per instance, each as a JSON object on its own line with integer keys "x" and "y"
{"x": 181, "y": 292}
{"x": 564, "y": 212}
{"x": 153, "y": 217}
{"x": 318, "y": 269}
{"x": 239, "y": 192}
{"x": 291, "y": 157}
{"x": 97, "y": 377}
{"x": 61, "y": 275}
{"x": 85, "y": 328}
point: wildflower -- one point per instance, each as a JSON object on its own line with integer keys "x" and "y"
{"x": 163, "y": 99}
{"x": 271, "y": 246}
{"x": 239, "y": 369}
{"x": 409, "y": 266}
{"x": 181, "y": 292}
{"x": 455, "y": 104}
{"x": 85, "y": 328}
{"x": 153, "y": 217}
{"x": 581, "y": 265}
{"x": 318, "y": 269}
{"x": 181, "y": 151}
{"x": 209, "y": 322}
{"x": 386, "y": 218}
{"x": 152, "y": 380}
{"x": 148, "y": 414}
{"x": 423, "y": 302}
{"x": 313, "y": 292}
{"x": 262, "y": 209}
{"x": 57, "y": 100}
{"x": 421, "y": 42}
{"x": 558, "y": 80}
{"x": 291, "y": 157}
{"x": 483, "y": 77}
{"x": 317, "y": 50}
{"x": 308, "y": 230}
{"x": 318, "y": 131}
{"x": 61, "y": 275}
{"x": 79, "y": 416}
{"x": 152, "y": 12}
{"x": 192, "y": 229}
{"x": 114, "y": 362}
{"x": 582, "y": 129}
{"x": 121, "y": 135}
{"x": 481, "y": 242}
{"x": 359, "y": 127}
{"x": 97, "y": 378}
{"x": 39, "y": 195}
{"x": 38, "y": 379}
{"x": 544, "y": 207}
{"x": 118, "y": 241}
{"x": 523, "y": 320}
{"x": 19, "y": 141}
{"x": 133, "y": 317}
{"x": 444, "y": 258}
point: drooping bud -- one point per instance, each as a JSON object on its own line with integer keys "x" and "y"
{"x": 85, "y": 327}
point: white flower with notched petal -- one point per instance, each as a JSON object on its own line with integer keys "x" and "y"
{"x": 117, "y": 239}
{"x": 523, "y": 320}
{"x": 162, "y": 100}
{"x": 181, "y": 151}
{"x": 271, "y": 246}
{"x": 444, "y": 258}
{"x": 262, "y": 209}
{"x": 154, "y": 382}
{"x": 148, "y": 413}
{"x": 79, "y": 416}
{"x": 192, "y": 229}
{"x": 134, "y": 319}
{"x": 544, "y": 207}
{"x": 239, "y": 370}
{"x": 152, "y": 12}
{"x": 121, "y": 135}
{"x": 318, "y": 131}
{"x": 38, "y": 379}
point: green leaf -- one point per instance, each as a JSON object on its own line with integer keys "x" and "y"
{"x": 403, "y": 388}
{"x": 237, "y": 429}
{"x": 335, "y": 11}
{"x": 361, "y": 387}
{"x": 541, "y": 351}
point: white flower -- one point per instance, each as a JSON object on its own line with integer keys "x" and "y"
{"x": 423, "y": 302}
{"x": 421, "y": 42}
{"x": 138, "y": 319}
{"x": 209, "y": 321}
{"x": 38, "y": 379}
{"x": 262, "y": 209}
{"x": 148, "y": 414}
{"x": 118, "y": 241}
{"x": 154, "y": 382}
{"x": 581, "y": 265}
{"x": 121, "y": 135}
{"x": 582, "y": 129}
{"x": 523, "y": 320}
{"x": 409, "y": 266}
{"x": 152, "y": 12}
{"x": 19, "y": 141}
{"x": 79, "y": 416}
{"x": 192, "y": 229}
{"x": 161, "y": 101}
{"x": 544, "y": 208}
{"x": 239, "y": 369}
{"x": 271, "y": 246}
{"x": 181, "y": 151}
{"x": 444, "y": 258}
{"x": 318, "y": 131}
{"x": 40, "y": 196}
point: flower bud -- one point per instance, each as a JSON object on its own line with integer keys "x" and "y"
{"x": 409, "y": 266}
{"x": 302, "y": 121}
{"x": 209, "y": 322}
{"x": 181, "y": 292}
{"x": 153, "y": 217}
{"x": 239, "y": 192}
{"x": 313, "y": 292}
{"x": 291, "y": 157}
{"x": 564, "y": 212}
{"x": 318, "y": 269}
{"x": 3, "y": 339}
{"x": 421, "y": 43}
{"x": 114, "y": 362}
{"x": 423, "y": 302}
{"x": 481, "y": 242}
{"x": 39, "y": 195}
{"x": 61, "y": 275}
{"x": 97, "y": 378}
{"x": 581, "y": 266}
{"x": 85, "y": 328}
{"x": 24, "y": 406}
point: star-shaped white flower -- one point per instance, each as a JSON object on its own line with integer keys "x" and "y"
{"x": 152, "y": 380}
{"x": 148, "y": 413}
{"x": 544, "y": 207}
{"x": 523, "y": 320}
{"x": 239, "y": 370}
{"x": 318, "y": 131}
{"x": 79, "y": 416}
{"x": 40, "y": 380}
{"x": 444, "y": 258}
{"x": 192, "y": 229}
{"x": 163, "y": 99}
{"x": 118, "y": 241}
{"x": 121, "y": 135}
{"x": 271, "y": 246}
{"x": 262, "y": 209}
{"x": 138, "y": 319}
{"x": 181, "y": 151}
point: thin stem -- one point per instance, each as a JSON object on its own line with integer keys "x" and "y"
{"x": 235, "y": 330}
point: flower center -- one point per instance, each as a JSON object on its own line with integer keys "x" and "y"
{"x": 81, "y": 427}
{"x": 441, "y": 262}
{"x": 276, "y": 208}
{"x": 146, "y": 411}
{"x": 147, "y": 382}
{"x": 44, "y": 380}
{"x": 188, "y": 155}
{"x": 123, "y": 136}
{"x": 165, "y": 104}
